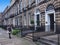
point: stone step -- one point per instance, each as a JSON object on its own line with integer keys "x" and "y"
{"x": 51, "y": 41}
{"x": 41, "y": 34}
{"x": 31, "y": 34}
{"x": 47, "y": 41}
{"x": 28, "y": 37}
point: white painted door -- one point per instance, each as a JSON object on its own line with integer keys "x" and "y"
{"x": 47, "y": 23}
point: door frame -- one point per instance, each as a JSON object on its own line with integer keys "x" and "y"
{"x": 46, "y": 18}
{"x": 35, "y": 19}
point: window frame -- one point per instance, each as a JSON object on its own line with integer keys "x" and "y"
{"x": 20, "y": 5}
{"x": 30, "y": 1}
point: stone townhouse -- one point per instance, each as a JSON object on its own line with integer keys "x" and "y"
{"x": 40, "y": 13}
{"x": 11, "y": 13}
{"x": 44, "y": 13}
{"x": 1, "y": 19}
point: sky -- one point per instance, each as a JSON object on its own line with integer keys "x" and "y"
{"x": 4, "y": 4}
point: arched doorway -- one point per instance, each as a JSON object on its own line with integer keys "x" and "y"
{"x": 37, "y": 18}
{"x": 50, "y": 19}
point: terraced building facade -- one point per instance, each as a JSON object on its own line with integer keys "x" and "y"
{"x": 40, "y": 13}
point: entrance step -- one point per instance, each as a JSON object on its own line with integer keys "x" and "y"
{"x": 37, "y": 35}
{"x": 28, "y": 37}
{"x": 49, "y": 40}
{"x": 41, "y": 34}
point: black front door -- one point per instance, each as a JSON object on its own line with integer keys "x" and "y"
{"x": 37, "y": 21}
{"x": 52, "y": 22}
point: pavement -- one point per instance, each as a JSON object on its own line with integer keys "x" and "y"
{"x": 4, "y": 40}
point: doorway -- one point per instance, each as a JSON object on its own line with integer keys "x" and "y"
{"x": 50, "y": 24}
{"x": 37, "y": 20}
{"x": 51, "y": 16}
